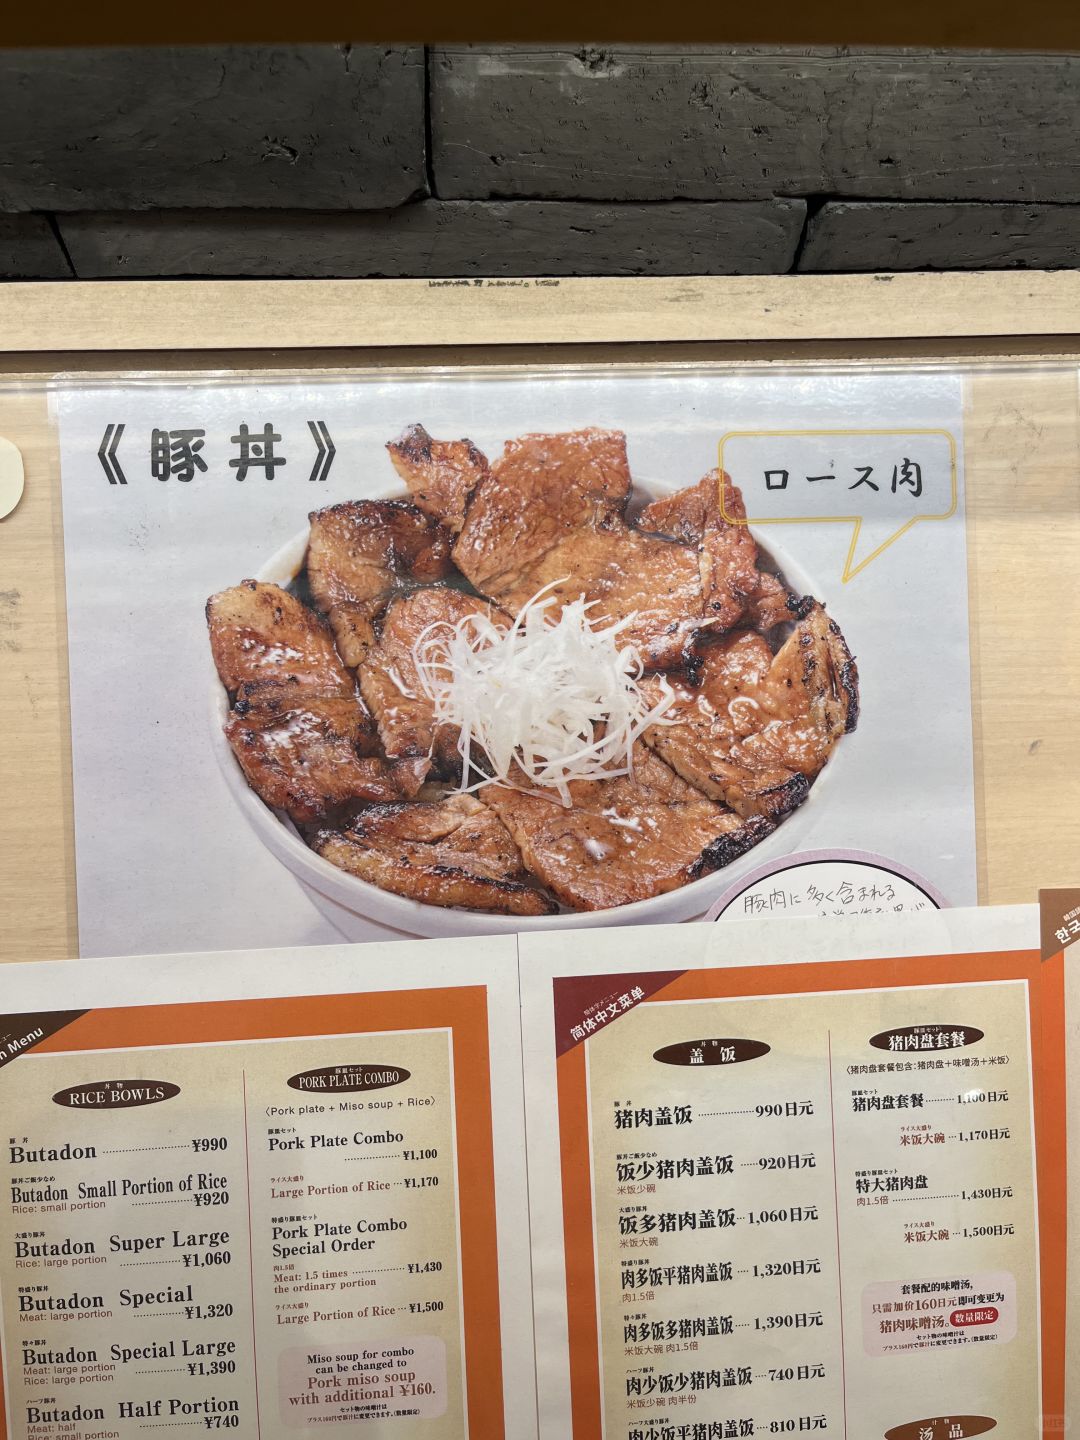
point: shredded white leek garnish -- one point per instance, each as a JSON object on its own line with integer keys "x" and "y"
{"x": 548, "y": 699}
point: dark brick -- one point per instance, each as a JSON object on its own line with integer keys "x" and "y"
{"x": 443, "y": 238}
{"x": 629, "y": 123}
{"x": 884, "y": 236}
{"x": 622, "y": 123}
{"x": 306, "y": 126}
{"x": 29, "y": 250}
{"x": 954, "y": 127}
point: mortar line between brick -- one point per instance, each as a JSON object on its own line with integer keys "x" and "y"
{"x": 58, "y": 236}
{"x": 429, "y": 159}
{"x": 800, "y": 244}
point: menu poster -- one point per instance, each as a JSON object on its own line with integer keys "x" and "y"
{"x": 297, "y": 1211}
{"x": 816, "y": 1198}
{"x": 283, "y": 550}
{"x": 626, "y": 1186}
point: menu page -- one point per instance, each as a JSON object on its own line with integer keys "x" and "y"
{"x": 799, "y": 1198}
{"x": 270, "y": 1214}
{"x": 805, "y": 1178}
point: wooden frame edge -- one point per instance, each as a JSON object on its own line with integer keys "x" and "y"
{"x": 185, "y": 315}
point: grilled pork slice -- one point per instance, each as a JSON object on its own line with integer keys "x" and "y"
{"x": 772, "y": 604}
{"x": 261, "y": 636}
{"x": 359, "y": 553}
{"x": 624, "y": 839}
{"x": 758, "y": 728}
{"x": 680, "y": 515}
{"x": 441, "y": 474}
{"x": 551, "y": 513}
{"x": 652, "y": 583}
{"x": 711, "y": 515}
{"x": 540, "y": 492}
{"x": 391, "y": 687}
{"x": 454, "y": 853}
{"x": 310, "y": 757}
{"x": 297, "y": 727}
{"x": 714, "y": 503}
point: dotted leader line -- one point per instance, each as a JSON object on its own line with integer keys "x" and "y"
{"x": 902, "y": 1199}
{"x": 145, "y": 1150}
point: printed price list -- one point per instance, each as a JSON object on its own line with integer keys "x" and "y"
{"x": 261, "y": 1239}
{"x": 787, "y": 1190}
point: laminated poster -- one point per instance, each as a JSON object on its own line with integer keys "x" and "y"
{"x": 273, "y": 584}
{"x": 602, "y": 1186}
{"x": 296, "y": 1212}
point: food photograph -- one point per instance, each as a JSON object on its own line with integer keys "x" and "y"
{"x": 470, "y": 654}
{"x": 519, "y": 688}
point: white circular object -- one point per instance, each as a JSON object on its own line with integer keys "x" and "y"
{"x": 351, "y": 904}
{"x": 12, "y": 477}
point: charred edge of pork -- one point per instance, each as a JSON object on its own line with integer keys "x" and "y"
{"x": 782, "y": 799}
{"x": 790, "y": 794}
{"x": 726, "y": 848}
{"x": 268, "y": 695}
{"x": 372, "y": 813}
{"x": 369, "y": 512}
{"x": 505, "y": 887}
{"x": 317, "y": 836}
{"x": 848, "y": 676}
{"x": 415, "y": 444}
{"x": 800, "y": 605}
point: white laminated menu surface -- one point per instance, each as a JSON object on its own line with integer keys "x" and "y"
{"x": 788, "y": 1198}
{"x": 608, "y": 1188}
{"x": 272, "y": 1215}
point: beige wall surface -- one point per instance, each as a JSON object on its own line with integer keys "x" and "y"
{"x": 167, "y": 315}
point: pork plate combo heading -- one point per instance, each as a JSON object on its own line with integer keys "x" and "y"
{"x": 504, "y": 694}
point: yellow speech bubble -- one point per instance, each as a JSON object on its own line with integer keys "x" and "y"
{"x": 880, "y": 482}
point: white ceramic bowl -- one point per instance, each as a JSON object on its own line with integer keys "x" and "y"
{"x": 351, "y": 904}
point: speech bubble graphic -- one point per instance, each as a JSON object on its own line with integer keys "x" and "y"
{"x": 880, "y": 482}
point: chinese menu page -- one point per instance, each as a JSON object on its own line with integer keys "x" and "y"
{"x": 803, "y": 1199}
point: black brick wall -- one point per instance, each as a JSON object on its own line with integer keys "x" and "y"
{"x": 357, "y": 160}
